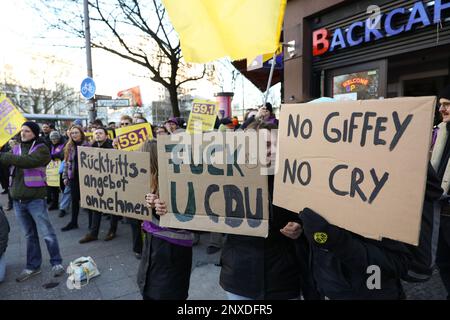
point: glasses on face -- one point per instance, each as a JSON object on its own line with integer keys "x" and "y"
{"x": 124, "y": 124}
{"x": 445, "y": 105}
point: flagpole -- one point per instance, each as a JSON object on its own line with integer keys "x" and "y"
{"x": 270, "y": 78}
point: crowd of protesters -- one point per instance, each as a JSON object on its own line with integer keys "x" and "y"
{"x": 290, "y": 263}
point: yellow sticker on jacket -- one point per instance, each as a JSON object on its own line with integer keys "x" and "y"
{"x": 320, "y": 237}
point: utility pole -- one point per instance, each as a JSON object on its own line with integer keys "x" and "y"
{"x": 87, "y": 36}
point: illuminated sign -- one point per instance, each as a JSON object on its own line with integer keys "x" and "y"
{"x": 341, "y": 39}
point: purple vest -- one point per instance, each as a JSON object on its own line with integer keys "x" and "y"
{"x": 57, "y": 149}
{"x": 33, "y": 178}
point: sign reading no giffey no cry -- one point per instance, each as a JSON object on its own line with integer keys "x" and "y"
{"x": 360, "y": 164}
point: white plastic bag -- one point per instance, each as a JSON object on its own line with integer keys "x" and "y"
{"x": 80, "y": 271}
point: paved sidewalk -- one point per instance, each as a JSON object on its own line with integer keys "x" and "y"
{"x": 118, "y": 267}
{"x": 115, "y": 260}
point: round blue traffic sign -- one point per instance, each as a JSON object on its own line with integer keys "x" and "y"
{"x": 88, "y": 88}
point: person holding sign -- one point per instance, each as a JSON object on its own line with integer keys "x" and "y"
{"x": 263, "y": 268}
{"x": 28, "y": 190}
{"x": 165, "y": 267}
{"x": 171, "y": 125}
{"x": 70, "y": 176}
{"x": 440, "y": 160}
{"x": 57, "y": 154}
{"x": 101, "y": 141}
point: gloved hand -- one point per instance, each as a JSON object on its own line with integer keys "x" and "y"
{"x": 318, "y": 230}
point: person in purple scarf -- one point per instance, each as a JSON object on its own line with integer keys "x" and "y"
{"x": 165, "y": 268}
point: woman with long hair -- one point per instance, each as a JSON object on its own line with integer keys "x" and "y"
{"x": 165, "y": 267}
{"x": 77, "y": 138}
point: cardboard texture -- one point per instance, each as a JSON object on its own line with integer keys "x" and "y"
{"x": 114, "y": 181}
{"x": 198, "y": 197}
{"x": 369, "y": 175}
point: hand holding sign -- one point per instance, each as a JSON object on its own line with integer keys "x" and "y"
{"x": 160, "y": 206}
{"x": 361, "y": 164}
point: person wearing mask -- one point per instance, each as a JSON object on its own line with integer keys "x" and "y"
{"x": 56, "y": 153}
{"x": 165, "y": 268}
{"x": 440, "y": 161}
{"x": 28, "y": 191}
{"x": 101, "y": 141}
{"x": 70, "y": 175}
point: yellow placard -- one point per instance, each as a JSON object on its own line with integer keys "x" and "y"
{"x": 130, "y": 138}
{"x": 52, "y": 172}
{"x": 10, "y": 120}
{"x": 89, "y": 136}
{"x": 203, "y": 116}
{"x": 111, "y": 134}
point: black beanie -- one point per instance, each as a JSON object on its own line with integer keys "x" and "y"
{"x": 445, "y": 93}
{"x": 34, "y": 127}
{"x": 269, "y": 107}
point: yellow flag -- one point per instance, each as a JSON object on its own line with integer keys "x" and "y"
{"x": 11, "y": 120}
{"x": 212, "y": 29}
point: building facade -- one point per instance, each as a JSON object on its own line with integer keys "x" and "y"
{"x": 365, "y": 49}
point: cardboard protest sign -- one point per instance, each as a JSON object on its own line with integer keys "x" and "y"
{"x": 130, "y": 138}
{"x": 52, "y": 173}
{"x": 203, "y": 116}
{"x": 114, "y": 181}
{"x": 11, "y": 120}
{"x": 360, "y": 164}
{"x": 231, "y": 197}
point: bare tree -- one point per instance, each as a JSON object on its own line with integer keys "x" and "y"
{"x": 138, "y": 32}
{"x": 41, "y": 100}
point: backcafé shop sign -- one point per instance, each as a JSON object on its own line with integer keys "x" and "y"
{"x": 378, "y": 27}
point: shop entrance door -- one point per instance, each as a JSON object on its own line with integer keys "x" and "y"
{"x": 429, "y": 86}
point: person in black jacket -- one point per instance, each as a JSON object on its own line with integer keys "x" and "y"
{"x": 342, "y": 261}
{"x": 4, "y": 231}
{"x": 4, "y": 171}
{"x": 440, "y": 159}
{"x": 263, "y": 268}
{"x": 101, "y": 141}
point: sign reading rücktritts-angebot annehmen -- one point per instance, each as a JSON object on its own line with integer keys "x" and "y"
{"x": 114, "y": 181}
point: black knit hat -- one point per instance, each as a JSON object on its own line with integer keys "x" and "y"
{"x": 34, "y": 127}
{"x": 445, "y": 93}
